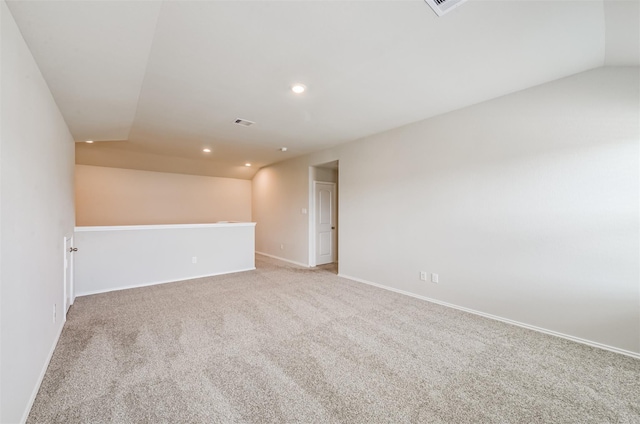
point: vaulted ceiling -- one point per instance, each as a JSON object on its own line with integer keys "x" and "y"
{"x": 154, "y": 82}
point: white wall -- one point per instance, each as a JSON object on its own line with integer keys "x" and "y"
{"x": 36, "y": 187}
{"x": 116, "y": 258}
{"x": 113, "y": 196}
{"x": 526, "y": 206}
{"x": 622, "y": 32}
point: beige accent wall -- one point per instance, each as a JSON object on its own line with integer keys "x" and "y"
{"x": 112, "y": 154}
{"x": 527, "y": 206}
{"x": 36, "y": 213}
{"x": 280, "y": 192}
{"x": 114, "y": 196}
{"x": 325, "y": 174}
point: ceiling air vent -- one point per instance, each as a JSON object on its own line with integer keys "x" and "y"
{"x": 443, "y": 6}
{"x": 244, "y": 122}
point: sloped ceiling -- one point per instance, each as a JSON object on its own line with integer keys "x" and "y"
{"x": 155, "y": 82}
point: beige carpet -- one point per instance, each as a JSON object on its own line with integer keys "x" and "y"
{"x": 288, "y": 345}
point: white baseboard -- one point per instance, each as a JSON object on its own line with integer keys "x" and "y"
{"x": 155, "y": 283}
{"x": 43, "y": 371}
{"x": 498, "y": 318}
{"x": 282, "y": 259}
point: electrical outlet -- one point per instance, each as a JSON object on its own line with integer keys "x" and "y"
{"x": 194, "y": 260}
{"x": 281, "y": 246}
{"x": 423, "y": 275}
{"x": 434, "y": 278}
{"x": 54, "y": 313}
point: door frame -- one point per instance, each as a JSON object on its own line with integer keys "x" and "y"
{"x": 312, "y": 218}
{"x": 312, "y": 215}
{"x": 68, "y": 270}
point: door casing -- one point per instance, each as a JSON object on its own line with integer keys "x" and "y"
{"x": 316, "y": 239}
{"x": 68, "y": 274}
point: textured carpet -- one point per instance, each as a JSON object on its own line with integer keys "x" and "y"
{"x": 288, "y": 345}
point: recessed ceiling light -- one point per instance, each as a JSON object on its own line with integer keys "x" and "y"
{"x": 298, "y": 88}
{"x": 89, "y": 141}
{"x": 283, "y": 149}
{"x": 247, "y": 164}
{"x": 206, "y": 150}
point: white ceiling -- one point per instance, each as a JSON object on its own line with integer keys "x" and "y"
{"x": 169, "y": 78}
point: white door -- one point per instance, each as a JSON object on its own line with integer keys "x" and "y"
{"x": 68, "y": 271}
{"x": 326, "y": 231}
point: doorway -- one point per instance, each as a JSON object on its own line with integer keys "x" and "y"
{"x": 323, "y": 216}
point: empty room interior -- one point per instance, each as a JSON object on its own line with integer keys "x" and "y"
{"x": 412, "y": 211}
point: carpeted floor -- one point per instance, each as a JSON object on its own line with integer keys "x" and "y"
{"x": 288, "y": 345}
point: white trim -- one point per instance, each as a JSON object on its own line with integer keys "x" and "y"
{"x": 155, "y": 283}
{"x": 32, "y": 399}
{"x": 73, "y": 278}
{"x": 65, "y": 270}
{"x": 283, "y": 259}
{"x": 164, "y": 227}
{"x": 313, "y": 239}
{"x": 312, "y": 217}
{"x": 498, "y": 318}
{"x": 69, "y": 270}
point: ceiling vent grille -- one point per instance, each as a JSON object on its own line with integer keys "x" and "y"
{"x": 244, "y": 122}
{"x": 443, "y": 6}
